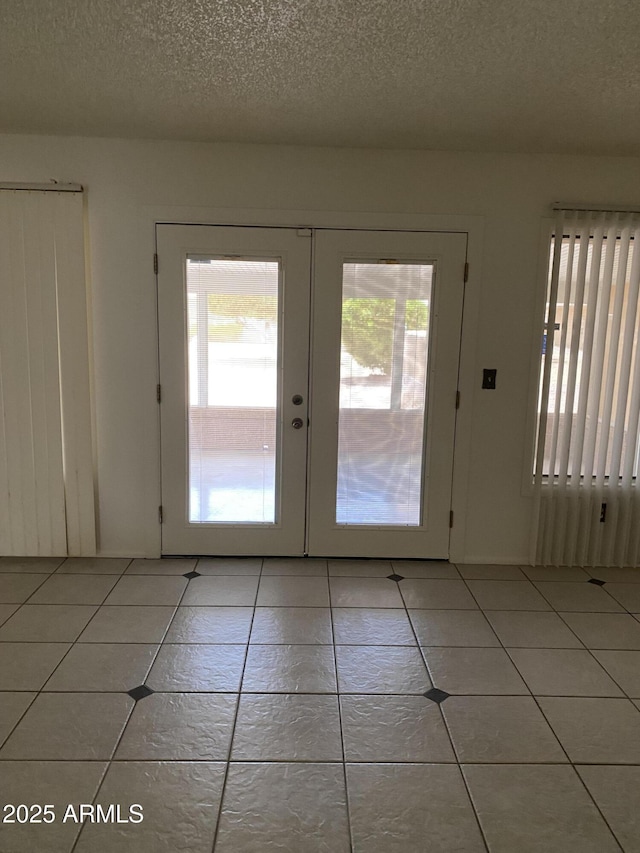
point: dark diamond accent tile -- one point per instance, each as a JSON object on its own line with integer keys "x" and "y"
{"x": 191, "y": 575}
{"x": 596, "y": 581}
{"x": 436, "y": 695}
{"x": 140, "y": 692}
{"x": 395, "y": 577}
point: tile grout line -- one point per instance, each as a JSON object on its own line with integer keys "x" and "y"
{"x": 223, "y": 787}
{"x": 123, "y": 761}
{"x": 263, "y": 692}
{"x": 33, "y": 591}
{"x": 594, "y": 658}
{"x": 591, "y": 651}
{"x": 504, "y": 648}
{"x": 41, "y": 690}
{"x": 339, "y": 703}
{"x": 612, "y": 596}
{"x": 537, "y": 585}
{"x": 121, "y": 574}
{"x": 577, "y": 774}
{"x": 73, "y": 643}
{"x": 107, "y": 767}
{"x": 569, "y": 763}
{"x": 110, "y": 760}
{"x": 598, "y": 809}
{"x": 535, "y": 699}
{"x": 22, "y": 716}
{"x": 586, "y": 648}
{"x": 446, "y": 725}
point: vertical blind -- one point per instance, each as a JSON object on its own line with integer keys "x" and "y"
{"x": 587, "y": 508}
{"x": 46, "y": 452}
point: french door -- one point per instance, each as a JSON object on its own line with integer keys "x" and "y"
{"x": 308, "y": 389}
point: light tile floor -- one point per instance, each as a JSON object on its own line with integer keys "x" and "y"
{"x": 313, "y": 705}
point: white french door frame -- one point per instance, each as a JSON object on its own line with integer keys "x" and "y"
{"x": 291, "y": 249}
{"x": 473, "y": 226}
{"x": 446, "y": 254}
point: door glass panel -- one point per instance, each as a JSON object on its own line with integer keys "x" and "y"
{"x": 383, "y": 382}
{"x": 232, "y": 334}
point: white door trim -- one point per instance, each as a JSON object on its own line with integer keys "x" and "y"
{"x": 473, "y": 225}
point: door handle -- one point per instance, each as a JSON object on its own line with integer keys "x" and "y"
{"x": 297, "y": 423}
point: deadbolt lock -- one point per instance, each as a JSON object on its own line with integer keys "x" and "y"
{"x": 297, "y": 400}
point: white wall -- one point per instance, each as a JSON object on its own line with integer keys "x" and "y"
{"x": 126, "y": 180}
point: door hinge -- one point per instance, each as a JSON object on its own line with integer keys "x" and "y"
{"x": 155, "y": 263}
{"x": 160, "y": 515}
{"x": 457, "y": 399}
{"x": 451, "y": 518}
{"x": 466, "y": 271}
{"x": 159, "y": 393}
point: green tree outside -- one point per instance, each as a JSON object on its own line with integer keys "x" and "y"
{"x": 367, "y": 329}
{"x": 243, "y": 307}
{"x": 236, "y": 308}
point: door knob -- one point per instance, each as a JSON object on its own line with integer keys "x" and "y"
{"x": 297, "y": 423}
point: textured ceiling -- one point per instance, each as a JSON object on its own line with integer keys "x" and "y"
{"x": 487, "y": 75}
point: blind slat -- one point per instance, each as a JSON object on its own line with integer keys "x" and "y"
{"x": 579, "y": 500}
{"x": 18, "y": 423}
{"x": 41, "y": 306}
{"x": 600, "y": 534}
{"x": 560, "y": 372}
{"x": 546, "y": 380}
{"x": 6, "y": 503}
{"x": 74, "y": 376}
{"x": 587, "y": 544}
{"x": 563, "y": 516}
